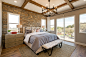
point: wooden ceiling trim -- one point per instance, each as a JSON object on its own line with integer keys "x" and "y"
{"x": 20, "y": 8}
{"x": 25, "y": 3}
{"x": 70, "y": 4}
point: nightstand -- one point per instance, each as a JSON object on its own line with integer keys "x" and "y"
{"x": 13, "y": 39}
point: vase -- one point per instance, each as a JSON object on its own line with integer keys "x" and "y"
{"x": 8, "y": 32}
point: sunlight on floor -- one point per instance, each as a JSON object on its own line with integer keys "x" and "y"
{"x": 67, "y": 38}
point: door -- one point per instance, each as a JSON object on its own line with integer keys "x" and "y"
{"x": 65, "y": 28}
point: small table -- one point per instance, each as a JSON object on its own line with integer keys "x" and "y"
{"x": 13, "y": 39}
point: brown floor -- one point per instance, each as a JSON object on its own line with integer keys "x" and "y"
{"x": 80, "y": 51}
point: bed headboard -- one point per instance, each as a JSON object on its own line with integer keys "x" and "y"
{"x": 24, "y": 28}
{"x": 30, "y": 28}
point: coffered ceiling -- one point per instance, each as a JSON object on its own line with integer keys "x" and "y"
{"x": 36, "y": 5}
{"x": 66, "y": 7}
{"x": 33, "y": 7}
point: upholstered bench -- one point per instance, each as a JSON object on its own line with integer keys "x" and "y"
{"x": 52, "y": 44}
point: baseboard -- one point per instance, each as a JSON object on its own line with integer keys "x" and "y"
{"x": 83, "y": 44}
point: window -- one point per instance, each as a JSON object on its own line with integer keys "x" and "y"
{"x": 43, "y": 23}
{"x": 60, "y": 28}
{"x": 13, "y": 21}
{"x": 65, "y": 28}
{"x": 52, "y": 25}
{"x": 69, "y": 28}
{"x": 82, "y": 23}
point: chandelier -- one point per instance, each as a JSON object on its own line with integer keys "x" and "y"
{"x": 48, "y": 11}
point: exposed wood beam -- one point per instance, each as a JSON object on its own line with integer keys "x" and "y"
{"x": 70, "y": 4}
{"x": 25, "y": 3}
{"x": 20, "y": 7}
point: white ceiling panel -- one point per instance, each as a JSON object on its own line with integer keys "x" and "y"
{"x": 18, "y": 3}
{"x": 63, "y": 8}
{"x": 33, "y": 7}
{"x": 46, "y": 3}
{"x": 79, "y": 3}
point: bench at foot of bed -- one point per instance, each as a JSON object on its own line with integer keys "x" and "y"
{"x": 50, "y": 45}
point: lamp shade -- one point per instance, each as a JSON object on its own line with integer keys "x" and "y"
{"x": 19, "y": 26}
{"x": 43, "y": 26}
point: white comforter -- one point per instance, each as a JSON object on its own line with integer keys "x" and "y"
{"x": 28, "y": 36}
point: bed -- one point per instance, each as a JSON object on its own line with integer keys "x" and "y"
{"x": 35, "y": 40}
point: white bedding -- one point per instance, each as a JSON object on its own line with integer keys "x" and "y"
{"x": 28, "y": 36}
{"x": 29, "y": 44}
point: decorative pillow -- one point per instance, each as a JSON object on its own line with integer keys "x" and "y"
{"x": 37, "y": 30}
{"x": 33, "y": 29}
{"x": 41, "y": 30}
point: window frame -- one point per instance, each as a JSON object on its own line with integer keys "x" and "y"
{"x": 45, "y": 23}
{"x": 79, "y": 23}
{"x": 52, "y": 25}
{"x": 8, "y": 19}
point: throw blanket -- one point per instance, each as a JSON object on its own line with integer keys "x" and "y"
{"x": 37, "y": 40}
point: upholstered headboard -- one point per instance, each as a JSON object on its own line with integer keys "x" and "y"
{"x": 30, "y": 28}
{"x": 24, "y": 28}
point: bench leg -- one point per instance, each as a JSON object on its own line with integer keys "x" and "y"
{"x": 37, "y": 54}
{"x": 45, "y": 50}
{"x": 60, "y": 45}
{"x": 51, "y": 52}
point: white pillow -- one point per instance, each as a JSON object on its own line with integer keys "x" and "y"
{"x": 33, "y": 30}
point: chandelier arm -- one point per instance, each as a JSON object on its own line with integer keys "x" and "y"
{"x": 49, "y": 5}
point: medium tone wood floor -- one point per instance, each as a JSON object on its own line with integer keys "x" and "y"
{"x": 80, "y": 51}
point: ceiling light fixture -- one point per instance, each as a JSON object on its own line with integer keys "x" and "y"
{"x": 15, "y": 1}
{"x": 84, "y": 0}
{"x": 49, "y": 11}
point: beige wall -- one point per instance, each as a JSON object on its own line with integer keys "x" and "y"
{"x": 79, "y": 37}
{"x": 0, "y": 24}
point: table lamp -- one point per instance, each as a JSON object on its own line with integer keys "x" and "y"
{"x": 43, "y": 27}
{"x": 19, "y": 26}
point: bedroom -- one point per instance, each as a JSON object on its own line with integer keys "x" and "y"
{"x": 62, "y": 18}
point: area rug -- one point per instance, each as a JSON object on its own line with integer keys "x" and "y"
{"x": 65, "y": 51}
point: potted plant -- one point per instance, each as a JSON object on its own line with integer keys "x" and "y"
{"x": 9, "y": 31}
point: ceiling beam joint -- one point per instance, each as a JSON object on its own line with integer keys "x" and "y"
{"x": 69, "y": 3}
{"x": 24, "y": 4}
